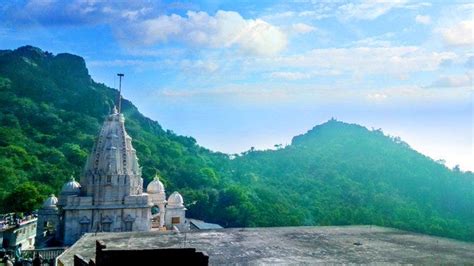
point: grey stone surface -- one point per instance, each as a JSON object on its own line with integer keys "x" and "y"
{"x": 292, "y": 245}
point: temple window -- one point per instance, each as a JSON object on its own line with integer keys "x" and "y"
{"x": 128, "y": 225}
{"x": 106, "y": 227}
{"x": 175, "y": 220}
{"x": 106, "y": 222}
{"x": 84, "y": 225}
{"x": 84, "y": 228}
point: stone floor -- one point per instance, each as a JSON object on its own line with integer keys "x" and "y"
{"x": 290, "y": 245}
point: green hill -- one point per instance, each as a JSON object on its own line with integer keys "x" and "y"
{"x": 335, "y": 174}
{"x": 340, "y": 174}
{"x": 51, "y": 112}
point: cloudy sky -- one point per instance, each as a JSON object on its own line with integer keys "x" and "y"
{"x": 256, "y": 73}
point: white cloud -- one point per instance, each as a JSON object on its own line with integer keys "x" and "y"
{"x": 398, "y": 61}
{"x": 372, "y": 9}
{"x": 290, "y": 75}
{"x": 368, "y": 9}
{"x": 376, "y": 97}
{"x": 307, "y": 13}
{"x": 120, "y": 63}
{"x": 299, "y": 75}
{"x": 453, "y": 81}
{"x": 230, "y": 92}
{"x": 279, "y": 15}
{"x": 165, "y": 52}
{"x": 194, "y": 67}
{"x": 372, "y": 42}
{"x": 312, "y": 93}
{"x": 135, "y": 14}
{"x": 382, "y": 40}
{"x": 199, "y": 65}
{"x": 459, "y": 34}
{"x": 224, "y": 29}
{"x": 303, "y": 28}
{"x": 320, "y": 12}
{"x": 159, "y": 29}
{"x": 423, "y": 19}
{"x": 345, "y": 10}
{"x": 78, "y": 12}
{"x": 469, "y": 63}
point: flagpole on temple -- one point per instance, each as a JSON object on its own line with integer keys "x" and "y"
{"x": 120, "y": 92}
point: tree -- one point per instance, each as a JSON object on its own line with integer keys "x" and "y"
{"x": 24, "y": 198}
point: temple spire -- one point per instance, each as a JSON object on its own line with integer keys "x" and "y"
{"x": 119, "y": 104}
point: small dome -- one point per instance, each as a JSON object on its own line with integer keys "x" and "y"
{"x": 175, "y": 200}
{"x": 155, "y": 186}
{"x": 50, "y": 202}
{"x": 71, "y": 187}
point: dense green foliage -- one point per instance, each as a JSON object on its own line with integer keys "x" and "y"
{"x": 336, "y": 174}
{"x": 340, "y": 174}
{"x": 50, "y": 114}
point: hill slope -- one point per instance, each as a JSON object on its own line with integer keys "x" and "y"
{"x": 51, "y": 111}
{"x": 337, "y": 173}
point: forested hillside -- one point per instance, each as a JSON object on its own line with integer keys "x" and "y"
{"x": 340, "y": 174}
{"x": 51, "y": 113}
{"x": 335, "y": 174}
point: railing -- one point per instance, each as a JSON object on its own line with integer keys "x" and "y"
{"x": 48, "y": 255}
{"x": 11, "y": 220}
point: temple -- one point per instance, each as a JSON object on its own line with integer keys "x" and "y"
{"x": 109, "y": 196}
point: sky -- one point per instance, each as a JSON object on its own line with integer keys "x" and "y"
{"x": 242, "y": 74}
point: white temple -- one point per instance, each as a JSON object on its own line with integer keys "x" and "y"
{"x": 109, "y": 197}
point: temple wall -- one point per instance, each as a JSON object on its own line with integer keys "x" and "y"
{"x": 81, "y": 219}
{"x": 172, "y": 215}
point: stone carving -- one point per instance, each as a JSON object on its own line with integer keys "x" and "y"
{"x": 110, "y": 195}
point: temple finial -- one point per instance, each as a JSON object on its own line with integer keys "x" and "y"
{"x": 119, "y": 102}
{"x": 157, "y": 175}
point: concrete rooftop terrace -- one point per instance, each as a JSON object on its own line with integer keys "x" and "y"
{"x": 290, "y": 245}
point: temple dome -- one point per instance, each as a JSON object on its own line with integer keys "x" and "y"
{"x": 155, "y": 186}
{"x": 175, "y": 200}
{"x": 50, "y": 203}
{"x": 71, "y": 187}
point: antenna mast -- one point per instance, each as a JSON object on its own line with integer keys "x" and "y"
{"x": 120, "y": 92}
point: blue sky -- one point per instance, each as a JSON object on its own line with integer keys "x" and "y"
{"x": 237, "y": 74}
